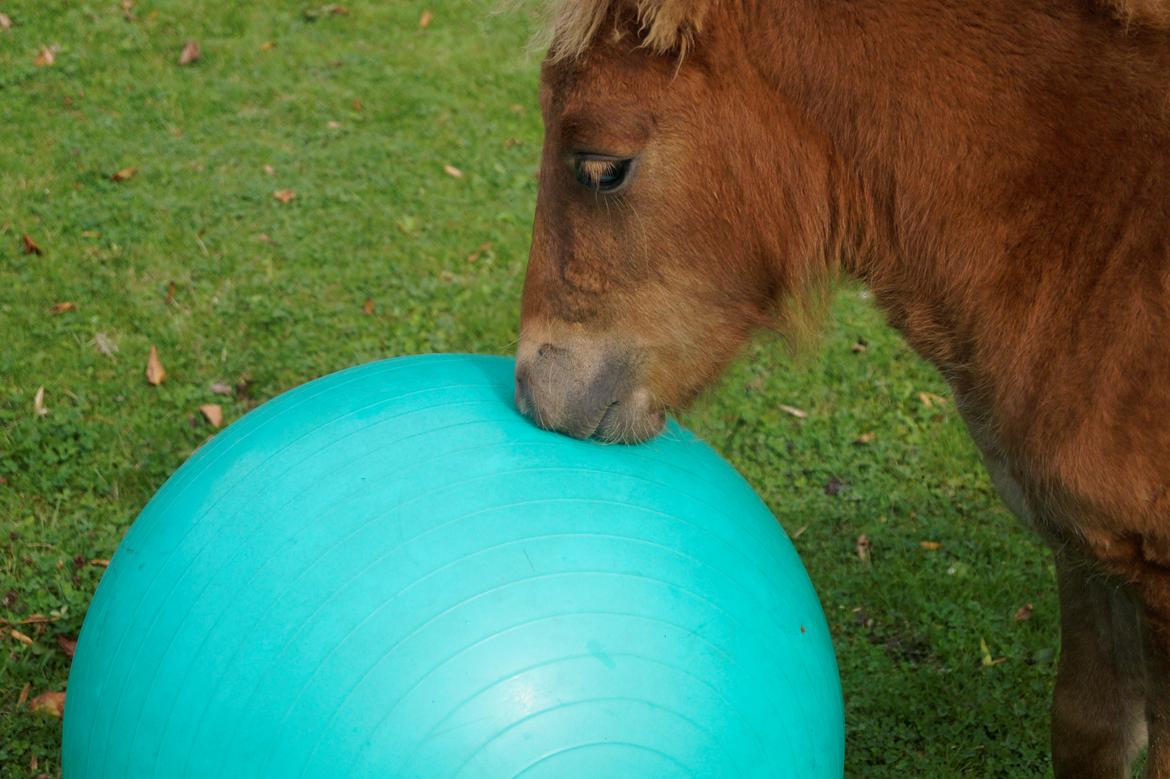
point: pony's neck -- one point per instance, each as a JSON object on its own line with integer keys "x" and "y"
{"x": 974, "y": 142}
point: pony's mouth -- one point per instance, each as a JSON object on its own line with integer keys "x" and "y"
{"x": 606, "y": 421}
{"x": 629, "y": 422}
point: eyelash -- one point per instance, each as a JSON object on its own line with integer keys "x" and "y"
{"x": 600, "y": 173}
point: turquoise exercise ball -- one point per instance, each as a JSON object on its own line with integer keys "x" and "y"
{"x": 388, "y": 572}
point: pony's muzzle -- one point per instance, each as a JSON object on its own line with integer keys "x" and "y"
{"x": 584, "y": 396}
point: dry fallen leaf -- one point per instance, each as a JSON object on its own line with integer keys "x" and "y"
{"x": 425, "y": 19}
{"x": 219, "y": 388}
{"x": 930, "y": 400}
{"x": 21, "y": 637}
{"x": 486, "y": 246}
{"x": 333, "y": 124}
{"x": 368, "y": 306}
{"x": 191, "y": 52}
{"x": 68, "y": 645}
{"x": 128, "y": 10}
{"x": 271, "y": 171}
{"x": 859, "y": 346}
{"x": 103, "y": 344}
{"x": 284, "y": 195}
{"x": 357, "y": 105}
{"x": 863, "y": 546}
{"x": 50, "y": 703}
{"x": 24, "y": 691}
{"x": 46, "y": 56}
{"x": 172, "y": 288}
{"x": 864, "y": 438}
{"x": 794, "y": 411}
{"x": 39, "y": 403}
{"x": 1024, "y": 613}
{"x": 985, "y": 655}
{"x": 99, "y": 562}
{"x": 5, "y": 23}
{"x": 213, "y": 413}
{"x": 62, "y": 307}
{"x": 125, "y": 174}
{"x": 930, "y": 546}
{"x": 313, "y": 14}
{"x": 30, "y": 246}
{"x": 155, "y": 373}
{"x": 267, "y": 46}
{"x": 453, "y": 171}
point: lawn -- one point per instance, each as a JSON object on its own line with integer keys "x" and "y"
{"x": 319, "y": 189}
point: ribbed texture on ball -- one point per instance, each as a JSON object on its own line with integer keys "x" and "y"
{"x": 388, "y": 572}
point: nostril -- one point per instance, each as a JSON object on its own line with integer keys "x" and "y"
{"x": 548, "y": 350}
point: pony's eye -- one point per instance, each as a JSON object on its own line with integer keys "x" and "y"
{"x": 601, "y": 174}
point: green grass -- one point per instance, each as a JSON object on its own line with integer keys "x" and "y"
{"x": 376, "y": 217}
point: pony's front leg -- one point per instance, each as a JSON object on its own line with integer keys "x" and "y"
{"x": 1155, "y": 583}
{"x": 1099, "y": 703}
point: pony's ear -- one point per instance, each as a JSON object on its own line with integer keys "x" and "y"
{"x": 663, "y": 25}
{"x": 1146, "y": 13}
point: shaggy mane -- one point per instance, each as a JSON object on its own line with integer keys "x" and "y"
{"x": 1148, "y": 13}
{"x": 671, "y": 25}
{"x": 665, "y": 25}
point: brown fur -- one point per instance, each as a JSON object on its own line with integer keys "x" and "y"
{"x": 997, "y": 171}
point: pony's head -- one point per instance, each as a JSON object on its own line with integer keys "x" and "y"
{"x": 681, "y": 199}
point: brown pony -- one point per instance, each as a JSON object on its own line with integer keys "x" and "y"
{"x": 997, "y": 171}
